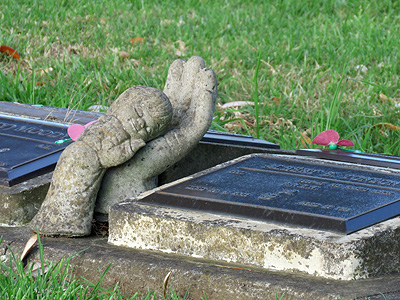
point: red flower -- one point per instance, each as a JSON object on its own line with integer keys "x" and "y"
{"x": 330, "y": 137}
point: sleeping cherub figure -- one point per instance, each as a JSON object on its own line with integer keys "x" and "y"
{"x": 143, "y": 133}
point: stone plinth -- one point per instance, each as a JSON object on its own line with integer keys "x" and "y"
{"x": 369, "y": 252}
{"x": 20, "y": 203}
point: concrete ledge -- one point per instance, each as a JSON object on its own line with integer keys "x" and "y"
{"x": 20, "y": 203}
{"x": 140, "y": 271}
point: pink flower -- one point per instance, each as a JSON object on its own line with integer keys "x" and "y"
{"x": 330, "y": 137}
{"x": 75, "y": 130}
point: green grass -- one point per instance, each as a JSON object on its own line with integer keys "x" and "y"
{"x": 18, "y": 282}
{"x": 323, "y": 64}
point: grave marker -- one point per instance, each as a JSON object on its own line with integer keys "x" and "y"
{"x": 370, "y": 159}
{"x": 339, "y": 198}
{"x": 28, "y": 148}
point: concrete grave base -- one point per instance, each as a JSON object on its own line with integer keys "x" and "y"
{"x": 366, "y": 253}
{"x": 20, "y": 203}
{"x": 143, "y": 270}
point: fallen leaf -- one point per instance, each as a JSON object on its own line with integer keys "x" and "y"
{"x": 29, "y": 245}
{"x": 123, "y": 54}
{"x": 9, "y": 51}
{"x": 165, "y": 284}
{"x": 40, "y": 83}
{"x": 387, "y": 125}
{"x": 74, "y": 49}
{"x": 236, "y": 104}
{"x": 383, "y": 97}
{"x": 277, "y": 100}
{"x": 137, "y": 39}
{"x": 233, "y": 124}
{"x": 305, "y": 140}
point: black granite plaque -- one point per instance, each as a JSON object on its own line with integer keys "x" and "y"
{"x": 28, "y": 148}
{"x": 288, "y": 190}
{"x": 370, "y": 159}
{"x": 226, "y": 138}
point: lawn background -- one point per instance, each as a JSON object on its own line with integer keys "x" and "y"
{"x": 329, "y": 64}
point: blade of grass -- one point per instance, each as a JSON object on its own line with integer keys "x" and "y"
{"x": 256, "y": 96}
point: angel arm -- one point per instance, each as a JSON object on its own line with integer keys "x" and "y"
{"x": 161, "y": 153}
{"x": 192, "y": 91}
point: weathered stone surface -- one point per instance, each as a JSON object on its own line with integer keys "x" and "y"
{"x": 142, "y": 270}
{"x": 20, "y": 203}
{"x": 68, "y": 207}
{"x": 192, "y": 90}
{"x": 137, "y": 116}
{"x": 366, "y": 253}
